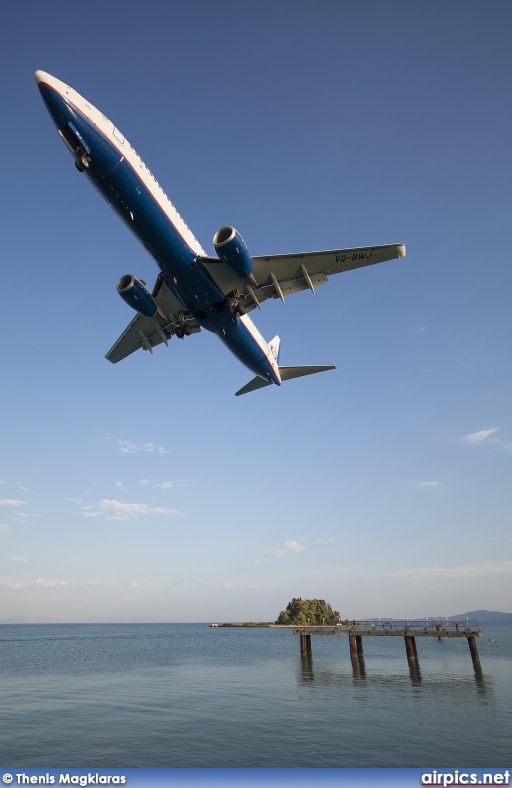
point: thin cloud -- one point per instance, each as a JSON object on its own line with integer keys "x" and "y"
{"x": 462, "y": 571}
{"x": 3, "y": 528}
{"x": 290, "y": 546}
{"x": 18, "y": 558}
{"x": 115, "y": 583}
{"x": 226, "y": 587}
{"x": 12, "y": 502}
{"x": 480, "y": 437}
{"x": 119, "y": 485}
{"x": 9, "y": 582}
{"x": 418, "y": 485}
{"x": 172, "y": 485}
{"x": 130, "y": 511}
{"x": 186, "y": 581}
{"x": 127, "y": 447}
{"x": 112, "y": 509}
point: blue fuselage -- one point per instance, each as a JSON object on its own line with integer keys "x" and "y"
{"x": 127, "y": 192}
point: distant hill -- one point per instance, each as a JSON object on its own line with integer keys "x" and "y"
{"x": 484, "y": 617}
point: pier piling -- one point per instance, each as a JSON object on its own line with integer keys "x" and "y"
{"x": 410, "y": 647}
{"x": 407, "y": 629}
{"x": 473, "y": 650}
{"x": 305, "y": 646}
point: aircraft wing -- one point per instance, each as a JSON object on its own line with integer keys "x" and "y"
{"x": 147, "y": 332}
{"x": 280, "y": 275}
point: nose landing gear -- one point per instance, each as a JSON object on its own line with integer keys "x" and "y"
{"x": 83, "y": 161}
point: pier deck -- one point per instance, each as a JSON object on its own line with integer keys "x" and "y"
{"x": 409, "y": 630}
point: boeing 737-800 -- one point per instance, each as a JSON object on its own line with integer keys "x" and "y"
{"x": 193, "y": 291}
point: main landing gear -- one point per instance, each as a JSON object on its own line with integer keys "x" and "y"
{"x": 235, "y": 308}
{"x": 232, "y": 304}
{"x": 182, "y": 331}
{"x": 182, "y": 328}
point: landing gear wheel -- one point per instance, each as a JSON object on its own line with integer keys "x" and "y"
{"x": 236, "y": 309}
{"x": 186, "y": 330}
{"x": 179, "y": 333}
{"x": 85, "y": 162}
{"x": 79, "y": 165}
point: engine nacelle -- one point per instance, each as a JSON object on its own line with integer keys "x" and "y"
{"x": 232, "y": 250}
{"x": 135, "y": 295}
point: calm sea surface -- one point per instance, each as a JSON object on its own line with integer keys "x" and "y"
{"x": 174, "y": 695}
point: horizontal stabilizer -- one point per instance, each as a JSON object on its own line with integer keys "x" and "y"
{"x": 286, "y": 373}
{"x": 255, "y": 383}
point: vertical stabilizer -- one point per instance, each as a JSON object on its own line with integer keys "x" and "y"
{"x": 274, "y": 346}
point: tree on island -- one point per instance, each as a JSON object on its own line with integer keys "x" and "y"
{"x": 308, "y": 612}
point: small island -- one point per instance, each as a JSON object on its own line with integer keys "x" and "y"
{"x": 299, "y": 612}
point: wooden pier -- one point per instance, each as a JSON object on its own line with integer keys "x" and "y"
{"x": 408, "y": 630}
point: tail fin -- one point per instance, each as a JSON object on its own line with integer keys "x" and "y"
{"x": 287, "y": 373}
{"x": 274, "y": 345}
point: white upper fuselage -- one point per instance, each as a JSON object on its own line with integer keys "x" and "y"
{"x": 119, "y": 141}
{"x": 118, "y": 172}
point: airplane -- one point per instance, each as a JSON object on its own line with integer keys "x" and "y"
{"x": 193, "y": 291}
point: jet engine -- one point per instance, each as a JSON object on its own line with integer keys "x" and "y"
{"x": 133, "y": 292}
{"x": 232, "y": 250}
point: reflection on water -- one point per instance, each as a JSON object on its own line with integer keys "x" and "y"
{"x": 358, "y": 668}
{"x": 479, "y": 678}
{"x": 459, "y": 688}
{"x": 306, "y": 666}
{"x": 189, "y": 695}
{"x": 414, "y": 671}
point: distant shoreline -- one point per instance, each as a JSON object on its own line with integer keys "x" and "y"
{"x": 260, "y": 624}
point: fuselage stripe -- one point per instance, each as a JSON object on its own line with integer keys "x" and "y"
{"x": 147, "y": 186}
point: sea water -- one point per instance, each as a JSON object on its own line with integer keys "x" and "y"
{"x": 183, "y": 695}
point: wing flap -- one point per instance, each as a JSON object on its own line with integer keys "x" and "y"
{"x": 148, "y": 332}
{"x": 296, "y": 272}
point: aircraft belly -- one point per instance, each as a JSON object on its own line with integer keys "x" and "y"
{"x": 117, "y": 182}
{"x": 126, "y": 194}
{"x": 246, "y": 349}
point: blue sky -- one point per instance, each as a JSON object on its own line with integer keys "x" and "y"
{"x": 146, "y": 491}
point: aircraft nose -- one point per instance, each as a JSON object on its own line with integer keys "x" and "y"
{"x": 51, "y": 91}
{"x": 41, "y": 76}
